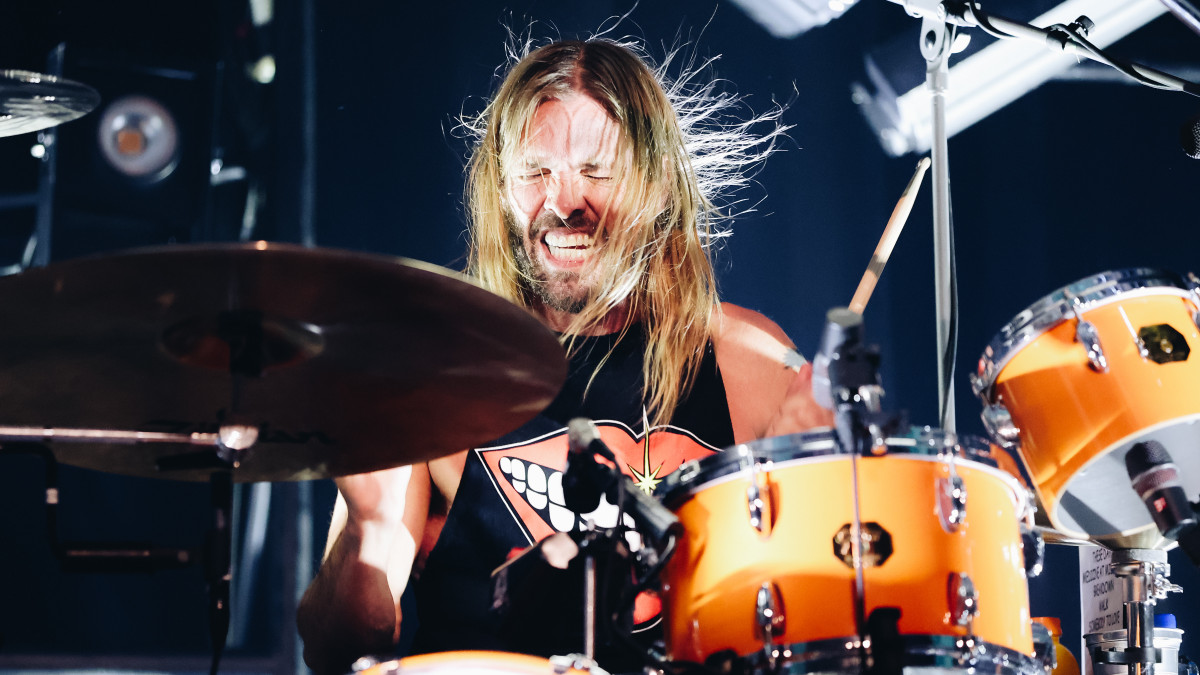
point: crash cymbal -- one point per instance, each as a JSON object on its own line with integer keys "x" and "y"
{"x": 32, "y": 101}
{"x": 346, "y": 362}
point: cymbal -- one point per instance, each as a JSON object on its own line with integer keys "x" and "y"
{"x": 346, "y": 362}
{"x": 32, "y": 101}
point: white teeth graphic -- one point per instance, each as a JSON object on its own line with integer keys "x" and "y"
{"x": 554, "y": 488}
{"x": 536, "y": 493}
{"x": 561, "y": 518}
{"x": 518, "y": 475}
{"x": 543, "y": 490}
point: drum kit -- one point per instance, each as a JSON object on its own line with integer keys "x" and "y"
{"x": 874, "y": 546}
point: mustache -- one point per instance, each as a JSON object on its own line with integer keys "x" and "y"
{"x": 550, "y": 221}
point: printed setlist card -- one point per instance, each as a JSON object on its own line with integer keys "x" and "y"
{"x": 1099, "y": 596}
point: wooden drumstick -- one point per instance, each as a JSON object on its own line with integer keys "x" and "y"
{"x": 890, "y": 234}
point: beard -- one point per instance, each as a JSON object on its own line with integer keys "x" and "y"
{"x": 563, "y": 291}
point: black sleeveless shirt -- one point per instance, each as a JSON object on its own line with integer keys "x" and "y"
{"x": 510, "y": 495}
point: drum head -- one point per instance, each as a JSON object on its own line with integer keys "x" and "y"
{"x": 1098, "y": 501}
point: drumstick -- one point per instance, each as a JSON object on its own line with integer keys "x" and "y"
{"x": 890, "y": 234}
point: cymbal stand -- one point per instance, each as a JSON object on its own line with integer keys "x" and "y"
{"x": 1143, "y": 575}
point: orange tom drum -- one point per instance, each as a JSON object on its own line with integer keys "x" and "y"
{"x": 764, "y": 570}
{"x": 1079, "y": 377}
{"x": 476, "y": 663}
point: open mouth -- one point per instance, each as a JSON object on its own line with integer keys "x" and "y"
{"x": 569, "y": 245}
{"x": 542, "y": 489}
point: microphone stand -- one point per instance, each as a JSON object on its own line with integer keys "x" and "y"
{"x": 937, "y": 42}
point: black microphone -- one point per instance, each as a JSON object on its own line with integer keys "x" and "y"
{"x": 1155, "y": 479}
{"x": 843, "y": 331}
{"x": 650, "y": 517}
{"x": 1189, "y": 137}
{"x": 584, "y": 479}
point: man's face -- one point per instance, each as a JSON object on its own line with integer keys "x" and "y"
{"x": 556, "y": 195}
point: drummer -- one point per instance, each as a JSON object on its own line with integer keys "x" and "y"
{"x": 591, "y": 206}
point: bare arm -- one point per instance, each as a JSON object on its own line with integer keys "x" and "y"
{"x": 767, "y": 396}
{"x": 352, "y": 607}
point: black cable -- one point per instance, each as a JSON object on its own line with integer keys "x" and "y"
{"x": 1063, "y": 35}
{"x": 1098, "y": 54}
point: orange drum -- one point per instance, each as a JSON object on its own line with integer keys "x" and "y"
{"x": 764, "y": 570}
{"x": 1081, "y": 376}
{"x": 476, "y": 663}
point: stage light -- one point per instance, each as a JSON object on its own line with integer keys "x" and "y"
{"x": 139, "y": 138}
{"x": 789, "y": 18}
{"x": 984, "y": 80}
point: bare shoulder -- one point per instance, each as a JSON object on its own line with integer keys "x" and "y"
{"x": 752, "y": 355}
{"x": 741, "y": 332}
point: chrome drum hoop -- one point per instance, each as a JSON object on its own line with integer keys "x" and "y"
{"x": 840, "y": 655}
{"x": 778, "y": 452}
{"x": 1061, "y": 305}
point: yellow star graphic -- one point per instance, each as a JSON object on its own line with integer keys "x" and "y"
{"x": 647, "y": 479}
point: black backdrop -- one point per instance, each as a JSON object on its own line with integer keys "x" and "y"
{"x": 1070, "y": 180}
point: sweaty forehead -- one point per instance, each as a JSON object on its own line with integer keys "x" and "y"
{"x": 573, "y": 129}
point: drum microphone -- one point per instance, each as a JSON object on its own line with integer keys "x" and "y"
{"x": 1155, "y": 479}
{"x": 843, "y": 330}
{"x": 585, "y": 479}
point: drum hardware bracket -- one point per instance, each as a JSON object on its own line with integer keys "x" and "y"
{"x": 770, "y": 620}
{"x": 963, "y": 599}
{"x": 1085, "y": 334}
{"x": 998, "y": 422}
{"x": 1033, "y": 549}
{"x": 952, "y": 501}
{"x": 1192, "y": 283}
{"x": 760, "y": 500}
{"x": 876, "y": 545}
{"x": 1143, "y": 574}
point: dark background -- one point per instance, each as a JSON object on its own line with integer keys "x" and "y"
{"x": 1072, "y": 179}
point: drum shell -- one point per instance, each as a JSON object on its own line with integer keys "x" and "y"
{"x": 1071, "y": 416}
{"x": 710, "y": 585}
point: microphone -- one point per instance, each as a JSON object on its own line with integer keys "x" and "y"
{"x": 585, "y": 479}
{"x": 1189, "y": 137}
{"x": 843, "y": 330}
{"x": 1155, "y": 479}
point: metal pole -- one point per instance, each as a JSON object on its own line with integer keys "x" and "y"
{"x": 937, "y": 39}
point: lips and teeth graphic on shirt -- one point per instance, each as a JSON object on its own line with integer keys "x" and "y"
{"x": 528, "y": 476}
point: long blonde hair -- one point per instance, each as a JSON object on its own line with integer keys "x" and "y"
{"x": 678, "y": 156}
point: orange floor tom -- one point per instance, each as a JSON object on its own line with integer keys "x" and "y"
{"x": 765, "y": 570}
